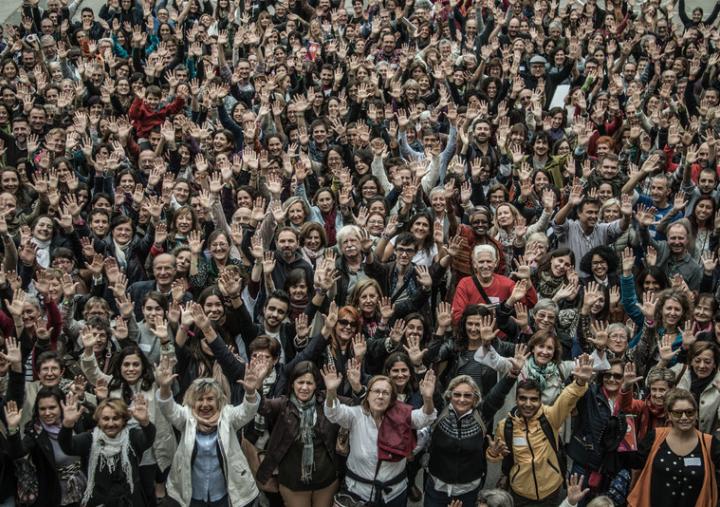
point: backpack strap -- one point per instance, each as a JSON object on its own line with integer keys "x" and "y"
{"x": 550, "y": 435}
{"x": 480, "y": 289}
{"x": 509, "y": 460}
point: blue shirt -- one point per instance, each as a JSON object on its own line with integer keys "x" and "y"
{"x": 208, "y": 479}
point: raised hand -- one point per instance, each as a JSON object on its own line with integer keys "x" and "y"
{"x": 628, "y": 261}
{"x": 414, "y": 351}
{"x": 497, "y": 447}
{"x": 444, "y": 315}
{"x": 359, "y": 346}
{"x": 521, "y": 355}
{"x": 583, "y": 370}
{"x": 688, "y": 334}
{"x": 13, "y": 415}
{"x": 648, "y": 305}
{"x": 139, "y": 409}
{"x": 630, "y": 376}
{"x": 427, "y": 385}
{"x": 353, "y": 370}
{"x": 71, "y": 410}
{"x": 575, "y": 491}
{"x": 599, "y": 338}
{"x": 331, "y": 378}
{"x": 255, "y": 372}
{"x": 164, "y": 375}
{"x": 488, "y": 331}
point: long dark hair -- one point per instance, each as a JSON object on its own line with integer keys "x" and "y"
{"x": 401, "y": 357}
{"x": 461, "y": 339}
{"x": 146, "y": 378}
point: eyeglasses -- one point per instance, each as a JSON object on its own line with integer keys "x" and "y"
{"x": 677, "y": 414}
{"x": 346, "y": 323}
{"x": 463, "y": 396}
{"x": 405, "y": 251}
{"x": 613, "y": 376}
{"x": 381, "y": 393}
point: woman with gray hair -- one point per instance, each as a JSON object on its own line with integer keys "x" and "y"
{"x": 495, "y": 498}
{"x": 457, "y": 465}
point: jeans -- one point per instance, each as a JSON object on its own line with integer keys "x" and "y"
{"x": 435, "y": 498}
{"x": 223, "y": 502}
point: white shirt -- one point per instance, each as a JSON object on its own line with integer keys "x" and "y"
{"x": 363, "y": 456}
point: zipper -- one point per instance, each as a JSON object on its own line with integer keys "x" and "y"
{"x": 532, "y": 455}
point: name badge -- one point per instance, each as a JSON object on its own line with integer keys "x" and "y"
{"x": 693, "y": 462}
{"x": 520, "y": 441}
{"x": 145, "y": 347}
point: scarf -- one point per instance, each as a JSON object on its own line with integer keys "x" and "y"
{"x": 43, "y": 252}
{"x": 297, "y": 307}
{"x": 698, "y": 385}
{"x": 207, "y": 424}
{"x": 106, "y": 453}
{"x": 307, "y": 423}
{"x": 310, "y": 255}
{"x": 51, "y": 430}
{"x": 541, "y": 374}
{"x": 329, "y": 225}
{"x": 120, "y": 251}
{"x": 547, "y": 285}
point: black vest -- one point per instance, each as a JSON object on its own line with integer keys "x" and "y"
{"x": 457, "y": 455}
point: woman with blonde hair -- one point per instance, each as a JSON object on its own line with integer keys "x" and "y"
{"x": 209, "y": 466}
{"x": 113, "y": 448}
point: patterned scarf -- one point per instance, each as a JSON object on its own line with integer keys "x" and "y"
{"x": 307, "y": 423}
{"x": 541, "y": 374}
{"x": 547, "y": 285}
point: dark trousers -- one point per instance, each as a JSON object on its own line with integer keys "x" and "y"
{"x": 552, "y": 500}
{"x": 147, "y": 475}
{"x": 223, "y": 502}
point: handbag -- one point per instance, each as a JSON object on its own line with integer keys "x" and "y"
{"x": 345, "y": 499}
{"x": 28, "y": 488}
{"x": 342, "y": 443}
{"x": 629, "y": 441}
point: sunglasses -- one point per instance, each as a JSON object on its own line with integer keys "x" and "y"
{"x": 614, "y": 376}
{"x": 677, "y": 414}
{"x": 346, "y": 323}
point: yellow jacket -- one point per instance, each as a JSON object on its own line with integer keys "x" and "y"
{"x": 535, "y": 473}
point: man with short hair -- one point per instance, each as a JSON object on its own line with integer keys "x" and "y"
{"x": 673, "y": 254}
{"x": 584, "y": 234}
{"x": 486, "y": 287}
{"x": 526, "y": 441}
{"x": 164, "y": 269}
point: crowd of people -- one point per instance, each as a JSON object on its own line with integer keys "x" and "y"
{"x": 312, "y": 253}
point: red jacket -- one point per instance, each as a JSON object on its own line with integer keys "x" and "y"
{"x": 396, "y": 436}
{"x": 499, "y": 291}
{"x": 144, "y": 119}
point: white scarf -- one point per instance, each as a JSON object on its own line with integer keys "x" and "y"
{"x": 43, "y": 252}
{"x": 107, "y": 452}
{"x": 120, "y": 255}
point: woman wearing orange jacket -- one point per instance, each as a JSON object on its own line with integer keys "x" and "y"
{"x": 678, "y": 462}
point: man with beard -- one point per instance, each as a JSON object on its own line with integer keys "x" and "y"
{"x": 584, "y": 234}
{"x": 273, "y": 325}
{"x": 475, "y": 234}
{"x": 673, "y": 255}
{"x": 697, "y": 166}
{"x": 287, "y": 256}
{"x": 16, "y": 144}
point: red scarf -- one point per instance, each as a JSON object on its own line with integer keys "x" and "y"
{"x": 329, "y": 225}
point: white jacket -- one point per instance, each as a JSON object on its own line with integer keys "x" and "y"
{"x": 240, "y": 482}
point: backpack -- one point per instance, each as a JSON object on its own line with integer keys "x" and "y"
{"x": 547, "y": 429}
